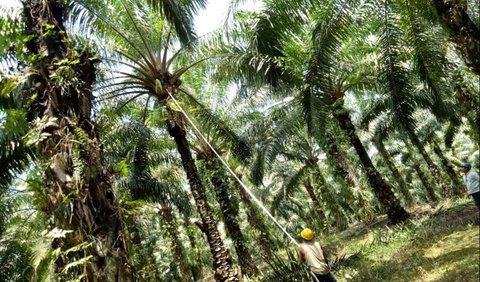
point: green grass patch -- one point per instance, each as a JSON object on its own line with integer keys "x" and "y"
{"x": 439, "y": 245}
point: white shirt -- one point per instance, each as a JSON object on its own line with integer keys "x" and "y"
{"x": 313, "y": 255}
{"x": 472, "y": 182}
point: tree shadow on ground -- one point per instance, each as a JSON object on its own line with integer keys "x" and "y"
{"x": 443, "y": 227}
{"x": 410, "y": 264}
{"x": 466, "y": 211}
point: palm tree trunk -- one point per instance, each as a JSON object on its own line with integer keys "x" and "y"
{"x": 458, "y": 185}
{"x": 195, "y": 257}
{"x": 351, "y": 173}
{"x": 463, "y": 31}
{"x": 229, "y": 208}
{"x": 432, "y": 167}
{"x": 396, "y": 174}
{"x": 222, "y": 262}
{"x": 471, "y": 109}
{"x": 176, "y": 247}
{"x": 341, "y": 168}
{"x": 317, "y": 205}
{"x": 426, "y": 184}
{"x": 78, "y": 191}
{"x": 382, "y": 190}
{"x": 341, "y": 221}
{"x": 344, "y": 170}
{"x": 255, "y": 219}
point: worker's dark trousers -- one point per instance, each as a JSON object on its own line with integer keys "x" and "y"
{"x": 476, "y": 198}
{"x": 325, "y": 278}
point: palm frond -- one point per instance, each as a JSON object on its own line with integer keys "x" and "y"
{"x": 382, "y": 127}
{"x": 97, "y": 16}
{"x": 327, "y": 38}
{"x": 344, "y": 260}
{"x": 13, "y": 39}
{"x": 274, "y": 135}
{"x": 138, "y": 142}
{"x": 218, "y": 129}
{"x": 286, "y": 269}
{"x": 15, "y": 153}
{"x": 251, "y": 53}
{"x": 450, "y": 133}
{"x": 328, "y": 35}
{"x": 289, "y": 187}
{"x": 394, "y": 77}
{"x": 180, "y": 15}
{"x": 257, "y": 170}
{"x": 315, "y": 111}
{"x": 429, "y": 57}
{"x": 151, "y": 190}
{"x": 14, "y": 261}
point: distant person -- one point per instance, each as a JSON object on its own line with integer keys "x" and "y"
{"x": 472, "y": 182}
{"x": 311, "y": 253}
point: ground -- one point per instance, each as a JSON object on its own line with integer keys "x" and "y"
{"x": 440, "y": 243}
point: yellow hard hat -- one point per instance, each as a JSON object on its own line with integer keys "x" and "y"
{"x": 307, "y": 234}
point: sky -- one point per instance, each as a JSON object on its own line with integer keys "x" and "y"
{"x": 206, "y": 21}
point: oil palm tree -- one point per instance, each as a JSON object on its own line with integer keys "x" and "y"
{"x": 59, "y": 104}
{"x": 273, "y": 65}
{"x": 345, "y": 174}
{"x": 439, "y": 76}
{"x": 467, "y": 97}
{"x": 287, "y": 141}
{"x": 463, "y": 29}
{"x": 325, "y": 94}
{"x": 15, "y": 154}
{"x": 387, "y": 158}
{"x": 146, "y": 153}
{"x": 144, "y": 47}
{"x": 429, "y": 130}
{"x": 401, "y": 100}
{"x": 430, "y": 195}
{"x": 219, "y": 135}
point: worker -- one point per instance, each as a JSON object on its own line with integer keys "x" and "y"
{"x": 471, "y": 180}
{"x": 312, "y": 254}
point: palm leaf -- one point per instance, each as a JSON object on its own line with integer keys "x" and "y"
{"x": 290, "y": 186}
{"x": 315, "y": 111}
{"x": 394, "y": 77}
{"x": 286, "y": 269}
{"x": 180, "y": 14}
{"x": 218, "y": 130}
{"x": 15, "y": 154}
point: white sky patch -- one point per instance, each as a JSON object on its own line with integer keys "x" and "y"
{"x": 10, "y": 3}
{"x": 214, "y": 16}
{"x": 208, "y": 20}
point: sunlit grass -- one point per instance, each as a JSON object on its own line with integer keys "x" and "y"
{"x": 442, "y": 245}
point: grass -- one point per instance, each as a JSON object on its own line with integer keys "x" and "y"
{"x": 437, "y": 244}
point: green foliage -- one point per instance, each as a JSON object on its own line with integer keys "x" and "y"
{"x": 294, "y": 64}
{"x": 15, "y": 152}
{"x": 180, "y": 15}
{"x": 217, "y": 129}
{"x": 14, "y": 262}
{"x": 121, "y": 168}
{"x": 287, "y": 269}
{"x": 407, "y": 251}
{"x": 12, "y": 41}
